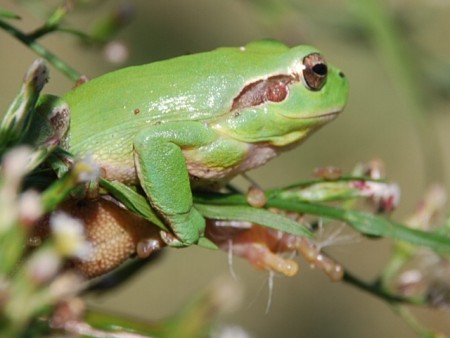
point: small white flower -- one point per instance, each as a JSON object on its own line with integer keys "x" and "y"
{"x": 69, "y": 237}
{"x": 87, "y": 169}
{"x": 12, "y": 170}
{"x": 43, "y": 266}
{"x": 385, "y": 196}
{"x": 67, "y": 284}
{"x": 15, "y": 165}
{"x": 231, "y": 331}
{"x": 30, "y": 206}
{"x": 116, "y": 52}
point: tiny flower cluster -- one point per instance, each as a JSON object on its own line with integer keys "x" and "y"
{"x": 33, "y": 279}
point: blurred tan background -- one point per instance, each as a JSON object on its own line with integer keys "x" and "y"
{"x": 374, "y": 125}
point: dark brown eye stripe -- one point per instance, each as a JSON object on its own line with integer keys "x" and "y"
{"x": 276, "y": 88}
{"x": 273, "y": 89}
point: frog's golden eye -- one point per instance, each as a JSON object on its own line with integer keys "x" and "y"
{"x": 315, "y": 71}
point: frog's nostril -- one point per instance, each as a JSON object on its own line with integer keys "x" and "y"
{"x": 342, "y": 75}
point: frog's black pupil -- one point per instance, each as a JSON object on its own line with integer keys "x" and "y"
{"x": 320, "y": 69}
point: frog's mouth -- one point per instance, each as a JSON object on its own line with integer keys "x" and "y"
{"x": 329, "y": 115}
{"x": 324, "y": 116}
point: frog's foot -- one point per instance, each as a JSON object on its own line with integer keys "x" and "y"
{"x": 171, "y": 239}
{"x": 187, "y": 229}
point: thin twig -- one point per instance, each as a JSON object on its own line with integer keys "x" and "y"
{"x": 375, "y": 290}
{"x": 40, "y": 50}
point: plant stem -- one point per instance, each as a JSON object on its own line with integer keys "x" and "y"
{"x": 391, "y": 45}
{"x": 40, "y": 50}
{"x": 375, "y": 290}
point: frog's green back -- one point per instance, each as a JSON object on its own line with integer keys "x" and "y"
{"x": 191, "y": 87}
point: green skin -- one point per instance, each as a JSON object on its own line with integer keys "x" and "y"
{"x": 171, "y": 126}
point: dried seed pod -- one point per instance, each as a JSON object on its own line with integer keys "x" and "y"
{"x": 112, "y": 231}
{"x": 265, "y": 248}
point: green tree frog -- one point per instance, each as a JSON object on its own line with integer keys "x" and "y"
{"x": 201, "y": 119}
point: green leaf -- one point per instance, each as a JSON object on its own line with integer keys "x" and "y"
{"x": 207, "y": 244}
{"x": 254, "y": 215}
{"x": 368, "y": 224}
{"x": 16, "y": 120}
{"x": 363, "y": 222}
{"x": 4, "y": 13}
{"x": 133, "y": 201}
{"x": 139, "y": 204}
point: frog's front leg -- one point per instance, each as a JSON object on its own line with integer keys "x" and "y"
{"x": 163, "y": 174}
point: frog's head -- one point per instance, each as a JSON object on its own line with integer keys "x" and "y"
{"x": 301, "y": 94}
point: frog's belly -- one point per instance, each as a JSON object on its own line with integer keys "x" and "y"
{"x": 257, "y": 155}
{"x": 125, "y": 170}
{"x": 200, "y": 174}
